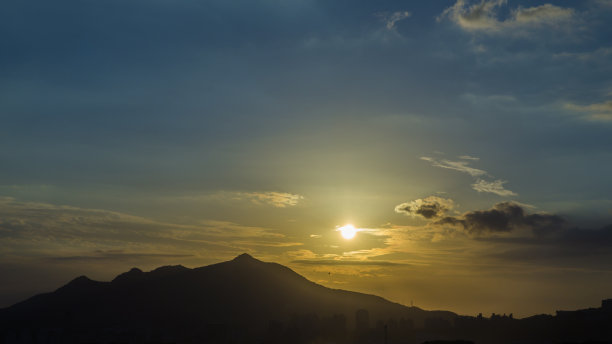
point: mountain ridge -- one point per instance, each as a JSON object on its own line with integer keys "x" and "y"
{"x": 243, "y": 283}
{"x": 245, "y": 300}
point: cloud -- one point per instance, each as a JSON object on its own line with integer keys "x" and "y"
{"x": 604, "y": 3}
{"x": 118, "y": 255}
{"x": 428, "y": 208}
{"x": 47, "y": 230}
{"x": 483, "y": 16}
{"x": 271, "y": 198}
{"x": 391, "y": 19}
{"x": 575, "y": 238}
{"x": 503, "y": 217}
{"x": 599, "y": 55}
{"x": 490, "y": 100}
{"x": 275, "y": 199}
{"x": 595, "y": 112}
{"x": 480, "y": 185}
{"x": 252, "y": 243}
{"x": 345, "y": 262}
{"x": 496, "y": 187}
{"x": 574, "y": 248}
{"x": 461, "y": 166}
{"x": 476, "y": 17}
{"x": 546, "y": 14}
{"x": 591, "y": 239}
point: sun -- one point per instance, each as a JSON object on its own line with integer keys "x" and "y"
{"x": 348, "y": 231}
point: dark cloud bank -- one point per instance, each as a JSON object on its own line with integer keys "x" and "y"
{"x": 550, "y": 238}
{"x": 504, "y": 217}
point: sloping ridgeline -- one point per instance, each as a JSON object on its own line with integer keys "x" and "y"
{"x": 249, "y": 301}
{"x": 242, "y": 300}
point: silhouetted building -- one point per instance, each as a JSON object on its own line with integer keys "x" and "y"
{"x": 334, "y": 328}
{"x": 437, "y": 324}
{"x": 606, "y": 305}
{"x": 406, "y": 324}
{"x": 362, "y": 319}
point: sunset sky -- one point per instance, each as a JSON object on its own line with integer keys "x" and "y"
{"x": 468, "y": 142}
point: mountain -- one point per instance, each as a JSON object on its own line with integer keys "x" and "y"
{"x": 249, "y": 301}
{"x": 243, "y": 296}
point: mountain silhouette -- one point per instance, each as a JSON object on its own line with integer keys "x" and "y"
{"x": 243, "y": 293}
{"x": 245, "y": 300}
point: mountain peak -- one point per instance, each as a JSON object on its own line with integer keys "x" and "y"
{"x": 244, "y": 258}
{"x": 130, "y": 275}
{"x": 81, "y": 280}
{"x": 79, "y": 283}
{"x": 169, "y": 269}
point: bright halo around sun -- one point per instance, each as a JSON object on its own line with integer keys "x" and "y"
{"x": 348, "y": 231}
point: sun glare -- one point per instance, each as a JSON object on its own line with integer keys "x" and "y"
{"x": 348, "y": 231}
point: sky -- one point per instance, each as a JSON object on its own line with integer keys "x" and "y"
{"x": 469, "y": 142}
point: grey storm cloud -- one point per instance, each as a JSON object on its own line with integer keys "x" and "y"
{"x": 429, "y": 207}
{"x": 504, "y": 217}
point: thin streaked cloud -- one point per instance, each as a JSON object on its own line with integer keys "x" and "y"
{"x": 480, "y": 184}
{"x": 594, "y": 112}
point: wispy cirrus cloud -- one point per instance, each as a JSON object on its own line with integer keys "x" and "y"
{"x": 275, "y": 199}
{"x": 480, "y": 184}
{"x": 495, "y": 187}
{"x": 461, "y": 166}
{"x": 469, "y": 157}
{"x": 594, "y": 112}
{"x": 392, "y": 18}
{"x": 48, "y": 230}
{"x": 600, "y": 54}
{"x": 118, "y": 255}
{"x": 484, "y": 17}
{"x": 345, "y": 262}
{"x": 263, "y": 198}
{"x": 604, "y": 3}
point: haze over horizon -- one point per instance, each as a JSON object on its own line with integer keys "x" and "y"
{"x": 455, "y": 154}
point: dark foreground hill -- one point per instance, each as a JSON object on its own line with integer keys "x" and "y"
{"x": 249, "y": 301}
{"x": 244, "y": 296}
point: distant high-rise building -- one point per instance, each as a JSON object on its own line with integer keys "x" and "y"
{"x": 362, "y": 319}
{"x": 606, "y": 305}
